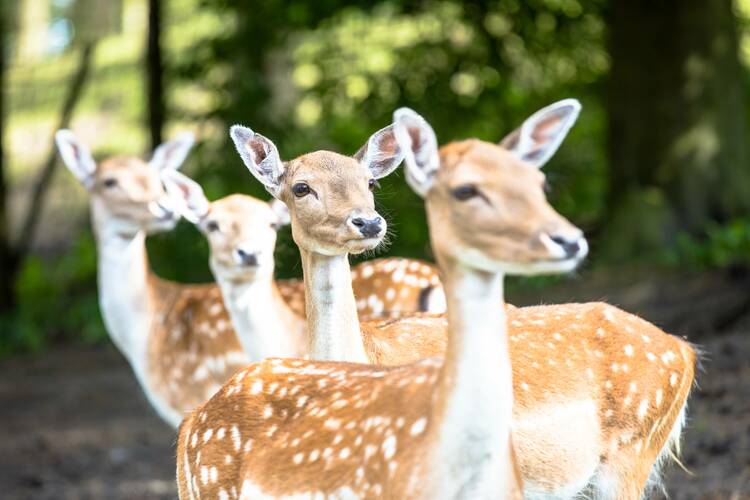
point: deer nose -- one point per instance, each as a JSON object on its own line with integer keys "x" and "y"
{"x": 369, "y": 228}
{"x": 572, "y": 245}
{"x": 247, "y": 258}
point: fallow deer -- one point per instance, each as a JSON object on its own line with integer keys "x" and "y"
{"x": 600, "y": 394}
{"x": 180, "y": 347}
{"x": 304, "y": 429}
{"x": 604, "y": 334}
{"x": 241, "y": 231}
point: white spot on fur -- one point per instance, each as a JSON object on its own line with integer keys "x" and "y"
{"x": 389, "y": 447}
{"x": 236, "y": 439}
{"x": 418, "y": 426}
{"x": 642, "y": 409}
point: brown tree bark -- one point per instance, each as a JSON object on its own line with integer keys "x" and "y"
{"x": 7, "y": 261}
{"x": 155, "y": 74}
{"x": 677, "y": 122}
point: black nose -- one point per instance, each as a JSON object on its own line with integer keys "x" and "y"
{"x": 248, "y": 259}
{"x": 368, "y": 227}
{"x": 571, "y": 247}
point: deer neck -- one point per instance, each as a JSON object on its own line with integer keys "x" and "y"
{"x": 474, "y": 399}
{"x": 332, "y": 320}
{"x": 125, "y": 288}
{"x": 265, "y": 325}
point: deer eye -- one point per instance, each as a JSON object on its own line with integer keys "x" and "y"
{"x": 300, "y": 189}
{"x": 110, "y": 183}
{"x": 373, "y": 185}
{"x": 212, "y": 226}
{"x": 465, "y": 192}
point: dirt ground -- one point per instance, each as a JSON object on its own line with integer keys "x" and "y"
{"x": 75, "y": 425}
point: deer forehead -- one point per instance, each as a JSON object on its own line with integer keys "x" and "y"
{"x": 242, "y": 209}
{"x": 486, "y": 163}
{"x": 325, "y": 167}
{"x": 134, "y": 176}
{"x": 119, "y": 163}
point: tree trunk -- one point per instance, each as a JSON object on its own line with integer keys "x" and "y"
{"x": 36, "y": 204}
{"x": 155, "y": 70}
{"x": 7, "y": 261}
{"x": 677, "y": 124}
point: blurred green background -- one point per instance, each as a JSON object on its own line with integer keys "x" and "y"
{"x": 656, "y": 170}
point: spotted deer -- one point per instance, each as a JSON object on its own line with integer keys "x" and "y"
{"x": 180, "y": 346}
{"x": 600, "y": 394}
{"x": 603, "y": 339}
{"x": 308, "y": 429}
{"x": 241, "y": 231}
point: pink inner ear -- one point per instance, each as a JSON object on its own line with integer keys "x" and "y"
{"x": 258, "y": 150}
{"x": 414, "y": 133}
{"x": 387, "y": 142}
{"x": 168, "y": 153}
{"x": 76, "y": 151}
{"x": 545, "y": 128}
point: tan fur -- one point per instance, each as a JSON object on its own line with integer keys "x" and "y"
{"x": 590, "y": 336}
{"x": 343, "y": 430}
{"x": 587, "y": 357}
{"x": 374, "y": 278}
{"x": 193, "y": 349}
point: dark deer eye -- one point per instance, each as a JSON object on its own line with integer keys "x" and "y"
{"x": 212, "y": 226}
{"x": 373, "y": 185}
{"x": 110, "y": 183}
{"x": 465, "y": 192}
{"x": 300, "y": 189}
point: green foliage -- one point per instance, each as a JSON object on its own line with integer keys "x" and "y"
{"x": 57, "y": 299}
{"x": 327, "y": 75}
{"x": 725, "y": 245}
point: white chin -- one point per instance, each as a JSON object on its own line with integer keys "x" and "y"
{"x": 543, "y": 267}
{"x": 363, "y": 245}
{"x": 478, "y": 260}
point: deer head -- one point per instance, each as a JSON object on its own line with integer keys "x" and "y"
{"x": 485, "y": 202}
{"x": 241, "y": 230}
{"x": 329, "y": 195}
{"x": 127, "y": 191}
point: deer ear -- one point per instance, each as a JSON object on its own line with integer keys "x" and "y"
{"x": 381, "y": 154}
{"x": 187, "y": 194}
{"x": 542, "y": 133}
{"x": 76, "y": 157}
{"x": 172, "y": 154}
{"x": 282, "y": 213}
{"x": 418, "y": 142}
{"x": 260, "y": 157}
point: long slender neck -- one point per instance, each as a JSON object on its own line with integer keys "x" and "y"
{"x": 332, "y": 319}
{"x": 124, "y": 285}
{"x": 264, "y": 323}
{"x": 474, "y": 399}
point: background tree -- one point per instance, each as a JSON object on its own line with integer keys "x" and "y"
{"x": 155, "y": 74}
{"x": 7, "y": 264}
{"x": 677, "y": 122}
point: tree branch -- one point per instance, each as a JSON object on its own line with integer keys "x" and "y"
{"x": 28, "y": 228}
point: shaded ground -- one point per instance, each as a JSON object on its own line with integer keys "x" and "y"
{"x": 74, "y": 424}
